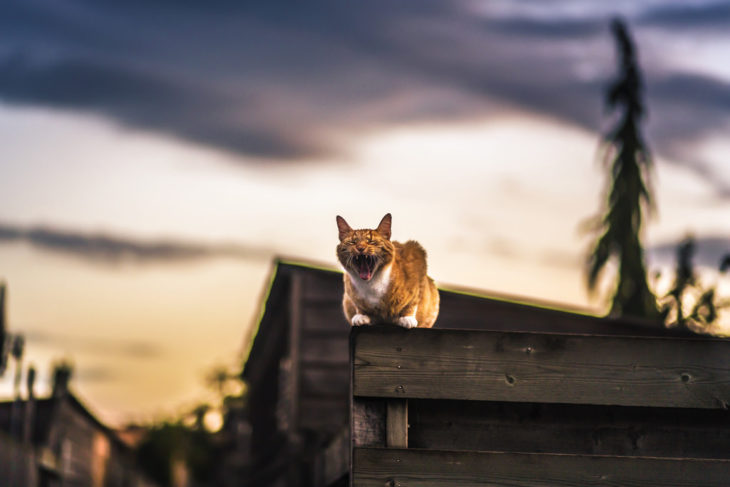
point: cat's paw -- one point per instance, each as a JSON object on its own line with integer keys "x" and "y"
{"x": 360, "y": 320}
{"x": 407, "y": 322}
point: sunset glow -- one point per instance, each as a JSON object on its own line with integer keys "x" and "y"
{"x": 478, "y": 152}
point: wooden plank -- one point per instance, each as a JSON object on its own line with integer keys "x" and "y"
{"x": 325, "y": 316}
{"x": 368, "y": 422}
{"x": 332, "y": 463}
{"x": 331, "y": 350}
{"x": 322, "y": 415}
{"x": 324, "y": 381}
{"x": 322, "y": 285}
{"x": 293, "y": 434}
{"x": 505, "y": 313}
{"x": 568, "y": 428}
{"x": 396, "y": 423}
{"x": 541, "y": 367}
{"x": 374, "y": 467}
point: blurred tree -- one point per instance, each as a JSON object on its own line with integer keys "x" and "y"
{"x": 198, "y": 413}
{"x": 187, "y": 440}
{"x": 218, "y": 378}
{"x": 627, "y": 157}
{"x": 3, "y": 327}
{"x": 225, "y": 382}
{"x": 169, "y": 442}
{"x": 725, "y": 263}
{"x": 688, "y": 290}
{"x": 684, "y": 278}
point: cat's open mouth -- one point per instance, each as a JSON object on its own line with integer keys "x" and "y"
{"x": 365, "y": 266}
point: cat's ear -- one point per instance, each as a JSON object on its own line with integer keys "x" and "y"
{"x": 343, "y": 227}
{"x": 384, "y": 226}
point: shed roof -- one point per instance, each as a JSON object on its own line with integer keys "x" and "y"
{"x": 44, "y": 414}
{"x": 461, "y": 308}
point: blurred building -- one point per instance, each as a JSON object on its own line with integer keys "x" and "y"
{"x": 57, "y": 442}
{"x": 298, "y": 368}
{"x": 3, "y": 326}
{"x": 234, "y": 441}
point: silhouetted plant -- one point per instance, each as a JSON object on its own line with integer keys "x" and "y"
{"x": 684, "y": 278}
{"x": 628, "y": 197}
{"x": 725, "y": 263}
{"x": 169, "y": 442}
{"x": 187, "y": 440}
{"x": 222, "y": 380}
{"x": 687, "y": 289}
{"x": 229, "y": 388}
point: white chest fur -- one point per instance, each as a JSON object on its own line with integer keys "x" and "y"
{"x": 372, "y": 291}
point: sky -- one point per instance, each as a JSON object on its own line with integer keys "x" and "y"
{"x": 156, "y": 156}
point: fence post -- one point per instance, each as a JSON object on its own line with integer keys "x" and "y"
{"x": 396, "y": 423}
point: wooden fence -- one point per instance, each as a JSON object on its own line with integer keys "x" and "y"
{"x": 475, "y": 408}
{"x": 16, "y": 463}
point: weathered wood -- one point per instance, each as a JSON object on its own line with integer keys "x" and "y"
{"x": 565, "y": 428}
{"x": 540, "y": 367}
{"x": 322, "y": 285}
{"x": 325, "y": 350}
{"x": 396, "y": 423}
{"x": 507, "y": 313}
{"x": 428, "y": 468}
{"x": 473, "y": 309}
{"x": 368, "y": 422}
{"x": 293, "y": 433}
{"x": 332, "y": 463}
{"x": 325, "y": 316}
{"x": 324, "y": 381}
{"x": 323, "y": 415}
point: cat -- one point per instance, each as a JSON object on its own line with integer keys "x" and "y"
{"x": 385, "y": 282}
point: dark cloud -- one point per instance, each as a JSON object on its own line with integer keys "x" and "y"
{"x": 146, "y": 100}
{"x": 709, "y": 252}
{"x": 85, "y": 344}
{"x": 565, "y": 29}
{"x": 683, "y": 108}
{"x": 290, "y": 80}
{"x": 677, "y": 95}
{"x": 116, "y": 250}
{"x": 690, "y": 15}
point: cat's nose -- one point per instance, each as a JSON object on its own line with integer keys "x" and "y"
{"x": 361, "y": 247}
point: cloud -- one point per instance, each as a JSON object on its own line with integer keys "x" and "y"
{"x": 691, "y": 15}
{"x": 96, "y": 374}
{"x": 109, "y": 249}
{"x": 288, "y": 80}
{"x": 145, "y": 100}
{"x": 709, "y": 251}
{"x": 85, "y": 344}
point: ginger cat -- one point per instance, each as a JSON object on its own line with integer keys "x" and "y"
{"x": 385, "y": 282}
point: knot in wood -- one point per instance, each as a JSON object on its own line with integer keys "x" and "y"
{"x": 400, "y": 389}
{"x": 685, "y": 377}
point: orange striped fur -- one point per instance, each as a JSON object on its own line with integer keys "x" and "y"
{"x": 385, "y": 281}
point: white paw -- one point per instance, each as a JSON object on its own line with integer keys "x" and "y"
{"x": 359, "y": 320}
{"x": 407, "y": 322}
